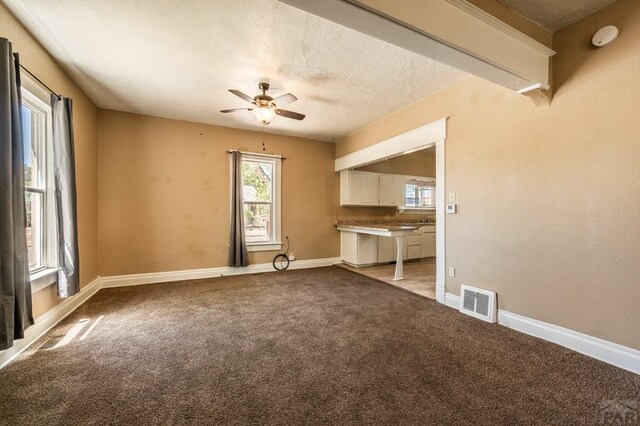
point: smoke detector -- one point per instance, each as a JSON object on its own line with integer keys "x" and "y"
{"x": 605, "y": 36}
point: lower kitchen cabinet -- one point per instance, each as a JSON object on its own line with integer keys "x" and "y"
{"x": 358, "y": 249}
{"x": 365, "y": 250}
{"x": 429, "y": 244}
{"x": 414, "y": 252}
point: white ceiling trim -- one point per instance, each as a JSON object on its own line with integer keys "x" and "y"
{"x": 414, "y": 140}
{"x": 485, "y": 49}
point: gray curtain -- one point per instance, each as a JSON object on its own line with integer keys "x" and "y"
{"x": 238, "y": 255}
{"x": 64, "y": 172}
{"x": 15, "y": 286}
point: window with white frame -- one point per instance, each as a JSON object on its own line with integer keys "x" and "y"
{"x": 38, "y": 174}
{"x": 261, "y": 198}
{"x": 419, "y": 194}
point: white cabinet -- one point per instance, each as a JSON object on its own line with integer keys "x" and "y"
{"x": 358, "y": 249}
{"x": 414, "y": 246}
{"x": 392, "y": 190}
{"x": 414, "y": 252}
{"x": 429, "y": 241}
{"x": 372, "y": 189}
{"x": 414, "y": 240}
{"x": 359, "y": 188}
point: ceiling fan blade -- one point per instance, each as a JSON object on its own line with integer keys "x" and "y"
{"x": 285, "y": 99}
{"x": 241, "y": 95}
{"x": 236, "y": 109}
{"x": 290, "y": 114}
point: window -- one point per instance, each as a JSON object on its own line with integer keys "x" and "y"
{"x": 39, "y": 195}
{"x": 261, "y": 197}
{"x": 419, "y": 194}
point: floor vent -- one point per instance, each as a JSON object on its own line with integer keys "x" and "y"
{"x": 478, "y": 303}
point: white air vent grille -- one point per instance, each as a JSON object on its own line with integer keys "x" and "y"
{"x": 478, "y": 303}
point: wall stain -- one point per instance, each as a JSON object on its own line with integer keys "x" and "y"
{"x": 206, "y": 185}
{"x": 195, "y": 251}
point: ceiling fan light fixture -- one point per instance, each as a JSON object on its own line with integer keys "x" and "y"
{"x": 264, "y": 107}
{"x": 264, "y": 114}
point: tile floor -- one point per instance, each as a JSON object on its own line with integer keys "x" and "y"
{"x": 419, "y": 276}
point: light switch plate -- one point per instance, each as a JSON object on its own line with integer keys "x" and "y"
{"x": 452, "y": 197}
{"x": 452, "y": 208}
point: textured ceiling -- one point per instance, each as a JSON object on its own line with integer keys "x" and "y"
{"x": 555, "y": 14}
{"x": 177, "y": 60}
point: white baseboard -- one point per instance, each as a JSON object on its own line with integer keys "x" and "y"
{"x": 48, "y": 320}
{"x": 452, "y": 300}
{"x": 609, "y": 352}
{"x": 193, "y": 274}
{"x": 441, "y": 295}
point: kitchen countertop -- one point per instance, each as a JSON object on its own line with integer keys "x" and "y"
{"x": 383, "y": 230}
{"x": 382, "y": 227}
{"x": 375, "y": 222}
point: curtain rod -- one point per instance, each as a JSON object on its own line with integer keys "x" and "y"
{"x": 41, "y": 82}
{"x": 257, "y": 154}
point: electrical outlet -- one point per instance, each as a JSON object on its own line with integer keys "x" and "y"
{"x": 291, "y": 256}
{"x": 452, "y": 272}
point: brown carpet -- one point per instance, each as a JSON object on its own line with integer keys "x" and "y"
{"x": 319, "y": 346}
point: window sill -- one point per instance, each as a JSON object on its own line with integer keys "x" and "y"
{"x": 264, "y": 247}
{"x": 416, "y": 210}
{"x": 43, "y": 279}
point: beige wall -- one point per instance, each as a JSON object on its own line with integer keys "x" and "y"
{"x": 38, "y": 61}
{"x": 164, "y": 194}
{"x": 549, "y": 199}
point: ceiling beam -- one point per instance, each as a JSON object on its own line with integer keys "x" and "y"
{"x": 453, "y": 32}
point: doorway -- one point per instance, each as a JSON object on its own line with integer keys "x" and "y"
{"x": 428, "y": 137}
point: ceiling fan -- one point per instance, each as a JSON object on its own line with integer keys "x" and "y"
{"x": 265, "y": 108}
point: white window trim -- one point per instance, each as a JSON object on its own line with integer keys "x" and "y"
{"x": 45, "y": 276}
{"x": 276, "y": 239}
{"x": 263, "y": 247}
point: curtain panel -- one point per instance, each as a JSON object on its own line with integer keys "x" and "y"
{"x": 64, "y": 172}
{"x": 238, "y": 255}
{"x": 15, "y": 285}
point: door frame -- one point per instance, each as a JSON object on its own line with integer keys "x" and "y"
{"x": 427, "y": 136}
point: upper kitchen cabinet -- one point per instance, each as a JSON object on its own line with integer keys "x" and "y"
{"x": 392, "y": 190}
{"x": 359, "y": 188}
{"x": 413, "y": 193}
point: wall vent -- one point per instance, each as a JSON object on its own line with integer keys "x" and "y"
{"x": 478, "y": 303}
